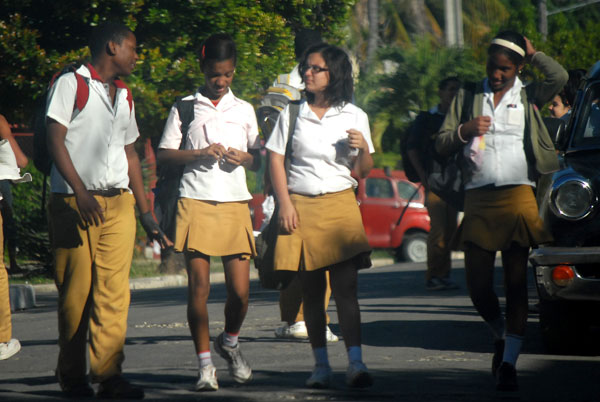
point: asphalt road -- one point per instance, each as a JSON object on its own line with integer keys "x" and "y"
{"x": 419, "y": 345}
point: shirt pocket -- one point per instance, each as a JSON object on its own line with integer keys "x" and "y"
{"x": 515, "y": 115}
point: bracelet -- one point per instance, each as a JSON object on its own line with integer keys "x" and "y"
{"x": 460, "y": 136}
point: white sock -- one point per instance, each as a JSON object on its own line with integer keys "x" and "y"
{"x": 355, "y": 354}
{"x": 321, "y": 358}
{"x": 512, "y": 348}
{"x": 497, "y": 327}
{"x": 204, "y": 359}
{"x": 230, "y": 339}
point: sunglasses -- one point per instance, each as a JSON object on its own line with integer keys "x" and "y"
{"x": 315, "y": 69}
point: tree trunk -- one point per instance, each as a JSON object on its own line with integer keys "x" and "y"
{"x": 373, "y": 41}
{"x": 417, "y": 8}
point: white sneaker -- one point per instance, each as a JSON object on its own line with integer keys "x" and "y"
{"x": 330, "y": 336}
{"x": 320, "y": 377}
{"x": 295, "y": 331}
{"x": 207, "y": 379}
{"x": 8, "y": 349}
{"x": 238, "y": 366}
{"x": 357, "y": 376}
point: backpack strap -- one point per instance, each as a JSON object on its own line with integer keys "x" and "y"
{"x": 467, "y": 106}
{"x": 294, "y": 111}
{"x": 185, "y": 108}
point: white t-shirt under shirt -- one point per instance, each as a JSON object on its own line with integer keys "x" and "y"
{"x": 96, "y": 136}
{"x": 232, "y": 123}
{"x": 504, "y": 159}
{"x": 321, "y": 160}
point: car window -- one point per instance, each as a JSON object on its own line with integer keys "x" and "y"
{"x": 407, "y": 190}
{"x": 379, "y": 188}
{"x": 588, "y": 127}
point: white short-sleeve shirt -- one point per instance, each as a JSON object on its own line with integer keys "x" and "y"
{"x": 232, "y": 123}
{"x": 321, "y": 159}
{"x": 504, "y": 159}
{"x": 96, "y": 136}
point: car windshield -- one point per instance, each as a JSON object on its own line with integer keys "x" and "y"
{"x": 587, "y": 132}
{"x": 407, "y": 191}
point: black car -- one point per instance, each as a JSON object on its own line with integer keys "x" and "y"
{"x": 567, "y": 272}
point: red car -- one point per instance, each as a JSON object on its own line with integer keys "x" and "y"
{"x": 383, "y": 198}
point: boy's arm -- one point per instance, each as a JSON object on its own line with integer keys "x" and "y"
{"x": 89, "y": 209}
{"x": 137, "y": 187}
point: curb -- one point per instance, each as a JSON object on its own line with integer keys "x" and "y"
{"x": 173, "y": 281}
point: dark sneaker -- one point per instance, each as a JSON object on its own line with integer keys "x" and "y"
{"x": 239, "y": 368}
{"x": 435, "y": 284}
{"x": 506, "y": 377}
{"x": 117, "y": 387}
{"x": 449, "y": 284}
{"x": 498, "y": 353}
{"x": 75, "y": 388}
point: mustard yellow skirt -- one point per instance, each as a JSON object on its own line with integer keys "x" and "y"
{"x": 214, "y": 228}
{"x": 496, "y": 218}
{"x": 330, "y": 231}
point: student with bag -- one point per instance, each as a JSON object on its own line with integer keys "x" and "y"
{"x": 213, "y": 218}
{"x": 320, "y": 224}
{"x": 506, "y": 148}
{"x": 96, "y": 181}
{"x": 420, "y": 151}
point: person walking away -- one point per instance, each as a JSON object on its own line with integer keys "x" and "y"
{"x": 213, "y": 218}
{"x": 443, "y": 217}
{"x": 506, "y": 147}
{"x": 320, "y": 223}
{"x": 11, "y": 159}
{"x": 6, "y": 204}
{"x": 95, "y": 181}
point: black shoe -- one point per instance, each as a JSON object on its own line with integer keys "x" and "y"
{"x": 75, "y": 388}
{"x": 506, "y": 379}
{"x": 117, "y": 387}
{"x": 498, "y": 353}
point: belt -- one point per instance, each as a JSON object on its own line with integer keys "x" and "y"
{"x": 111, "y": 192}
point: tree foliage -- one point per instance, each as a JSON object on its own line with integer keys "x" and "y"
{"x": 37, "y": 37}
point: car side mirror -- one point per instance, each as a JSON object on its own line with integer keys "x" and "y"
{"x": 556, "y": 128}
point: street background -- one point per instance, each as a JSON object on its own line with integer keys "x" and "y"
{"x": 419, "y": 345}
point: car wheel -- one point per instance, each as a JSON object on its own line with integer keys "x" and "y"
{"x": 565, "y": 327}
{"x": 414, "y": 247}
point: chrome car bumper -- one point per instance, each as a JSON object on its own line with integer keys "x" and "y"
{"x": 580, "y": 288}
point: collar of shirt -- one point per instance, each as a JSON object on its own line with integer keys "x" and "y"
{"x": 226, "y": 101}
{"x": 306, "y": 112}
{"x": 435, "y": 110}
{"x": 516, "y": 89}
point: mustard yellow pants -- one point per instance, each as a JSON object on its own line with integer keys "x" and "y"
{"x": 443, "y": 225}
{"x": 5, "y": 323}
{"x": 92, "y": 276}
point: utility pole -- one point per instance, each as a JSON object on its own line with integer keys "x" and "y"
{"x": 543, "y": 22}
{"x": 454, "y": 24}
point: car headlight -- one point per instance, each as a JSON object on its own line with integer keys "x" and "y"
{"x": 572, "y": 198}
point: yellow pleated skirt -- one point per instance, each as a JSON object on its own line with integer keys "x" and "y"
{"x": 495, "y": 218}
{"x": 214, "y": 228}
{"x": 330, "y": 231}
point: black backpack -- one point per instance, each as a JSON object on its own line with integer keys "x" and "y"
{"x": 166, "y": 192}
{"x": 423, "y": 137}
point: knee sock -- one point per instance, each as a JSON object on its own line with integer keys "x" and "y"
{"x": 512, "y": 348}
{"x": 355, "y": 354}
{"x": 321, "y": 358}
{"x": 204, "y": 359}
{"x": 230, "y": 339}
{"x": 497, "y": 327}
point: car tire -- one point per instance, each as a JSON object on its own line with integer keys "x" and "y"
{"x": 565, "y": 327}
{"x": 414, "y": 247}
